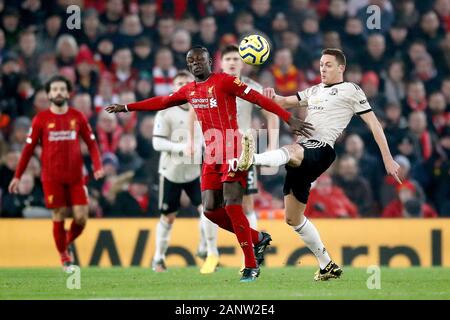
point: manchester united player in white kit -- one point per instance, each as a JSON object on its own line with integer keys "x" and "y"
{"x": 329, "y": 106}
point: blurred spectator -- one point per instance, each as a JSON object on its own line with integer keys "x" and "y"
{"x": 297, "y": 12}
{"x": 290, "y": 40}
{"x": 415, "y": 99}
{"x": 262, "y": 15}
{"x": 128, "y": 157}
{"x": 86, "y": 72}
{"x": 49, "y": 35}
{"x": 370, "y": 167}
{"x": 353, "y": 38}
{"x": 224, "y": 13}
{"x": 207, "y": 36}
{"x": 10, "y": 25}
{"x": 181, "y": 43}
{"x": 32, "y": 13}
{"x": 142, "y": 54}
{"x": 112, "y": 17}
{"x": 425, "y": 70}
{"x": 394, "y": 84}
{"x": 417, "y": 124}
{"x": 388, "y": 191}
{"x": 147, "y": 15}
{"x": 370, "y": 84}
{"x": 374, "y": 58}
{"x": 395, "y": 125}
{"x": 331, "y": 39}
{"x": 83, "y": 103}
{"x": 28, "y": 53}
{"x": 144, "y": 86}
{"x": 244, "y": 24}
{"x": 166, "y": 29}
{"x": 21, "y": 126}
{"x": 311, "y": 37}
{"x": 442, "y": 8}
{"x": 336, "y": 17}
{"x": 440, "y": 173}
{"x": 40, "y": 101}
{"x": 91, "y": 29}
{"x": 407, "y": 13}
{"x": 104, "y": 53}
{"x": 279, "y": 24}
{"x": 124, "y": 75}
{"x": 438, "y": 117}
{"x": 287, "y": 77}
{"x": 130, "y": 30}
{"x": 397, "y": 41}
{"x": 430, "y": 30}
{"x": 136, "y": 201}
{"x": 108, "y": 132}
{"x": 355, "y": 186}
{"x": 7, "y": 169}
{"x": 127, "y": 120}
{"x": 66, "y": 50}
{"x": 105, "y": 95}
{"x": 353, "y": 74}
{"x": 408, "y": 205}
{"x": 445, "y": 89}
{"x": 328, "y": 201}
{"x": 14, "y": 205}
{"x": 163, "y": 72}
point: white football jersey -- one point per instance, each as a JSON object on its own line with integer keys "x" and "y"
{"x": 245, "y": 108}
{"x": 330, "y": 108}
{"x": 172, "y": 124}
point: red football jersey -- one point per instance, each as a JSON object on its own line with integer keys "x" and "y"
{"x": 214, "y": 102}
{"x": 59, "y": 135}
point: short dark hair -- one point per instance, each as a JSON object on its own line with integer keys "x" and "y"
{"x": 58, "y": 78}
{"x": 337, "y": 53}
{"x": 200, "y": 48}
{"x": 229, "y": 48}
{"x": 183, "y": 73}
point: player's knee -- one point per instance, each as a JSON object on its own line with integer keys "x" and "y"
{"x": 82, "y": 220}
{"x": 295, "y": 154}
{"x": 169, "y": 218}
{"x": 289, "y": 221}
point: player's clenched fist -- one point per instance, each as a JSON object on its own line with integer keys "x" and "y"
{"x": 116, "y": 108}
{"x": 300, "y": 127}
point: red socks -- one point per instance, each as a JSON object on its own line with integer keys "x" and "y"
{"x": 74, "y": 232}
{"x": 221, "y": 218}
{"x": 242, "y": 231}
{"x": 59, "y": 234}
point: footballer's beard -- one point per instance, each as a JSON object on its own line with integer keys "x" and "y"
{"x": 59, "y": 101}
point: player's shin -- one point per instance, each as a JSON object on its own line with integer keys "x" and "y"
{"x": 311, "y": 237}
{"x": 272, "y": 158}
{"x": 59, "y": 234}
{"x": 163, "y": 230}
{"x": 243, "y": 233}
{"x": 210, "y": 231}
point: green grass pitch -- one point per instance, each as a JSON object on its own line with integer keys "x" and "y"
{"x": 188, "y": 283}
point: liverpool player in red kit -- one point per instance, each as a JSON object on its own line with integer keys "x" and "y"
{"x": 58, "y": 130}
{"x": 213, "y": 97}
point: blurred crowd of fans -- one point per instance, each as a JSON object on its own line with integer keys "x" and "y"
{"x": 131, "y": 50}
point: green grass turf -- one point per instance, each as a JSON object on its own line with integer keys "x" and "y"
{"x": 188, "y": 283}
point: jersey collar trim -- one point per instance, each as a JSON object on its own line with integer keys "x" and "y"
{"x": 330, "y": 85}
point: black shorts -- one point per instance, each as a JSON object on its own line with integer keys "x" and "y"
{"x": 252, "y": 181}
{"x": 318, "y": 157}
{"x": 170, "y": 193}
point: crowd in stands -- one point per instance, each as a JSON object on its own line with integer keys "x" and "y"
{"x": 129, "y": 50}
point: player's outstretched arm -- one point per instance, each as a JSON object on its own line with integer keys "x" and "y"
{"x": 372, "y": 122}
{"x": 152, "y": 104}
{"x": 288, "y": 102}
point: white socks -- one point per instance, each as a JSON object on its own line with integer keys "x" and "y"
{"x": 210, "y": 232}
{"x": 274, "y": 158}
{"x": 252, "y": 219}
{"x": 163, "y": 230}
{"x": 311, "y": 237}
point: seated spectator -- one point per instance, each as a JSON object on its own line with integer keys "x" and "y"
{"x": 86, "y": 72}
{"x": 108, "y": 132}
{"x": 14, "y": 205}
{"x": 438, "y": 117}
{"x": 370, "y": 83}
{"x": 207, "y": 35}
{"x": 136, "y": 201}
{"x": 127, "y": 120}
{"x": 388, "y": 188}
{"x": 328, "y": 201}
{"x": 415, "y": 99}
{"x": 163, "y": 72}
{"x": 394, "y": 84}
{"x": 143, "y": 57}
{"x": 83, "y": 103}
{"x": 356, "y": 187}
{"x": 417, "y": 128}
{"x": 130, "y": 31}
{"x": 21, "y": 127}
{"x": 7, "y": 169}
{"x": 144, "y": 86}
{"x": 408, "y": 205}
{"x": 124, "y": 75}
{"x": 180, "y": 45}
{"x": 128, "y": 157}
{"x": 66, "y": 51}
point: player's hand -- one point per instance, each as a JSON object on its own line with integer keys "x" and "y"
{"x": 300, "y": 127}
{"x": 115, "y": 108}
{"x": 269, "y": 93}
{"x": 99, "y": 174}
{"x": 392, "y": 169}
{"x": 14, "y": 186}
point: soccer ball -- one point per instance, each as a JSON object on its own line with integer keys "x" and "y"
{"x": 254, "y": 49}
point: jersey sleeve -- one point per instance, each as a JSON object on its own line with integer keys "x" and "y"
{"x": 304, "y": 95}
{"x": 234, "y": 86}
{"x": 160, "y": 103}
{"x": 34, "y": 135}
{"x": 359, "y": 102}
{"x": 89, "y": 138}
{"x": 162, "y": 126}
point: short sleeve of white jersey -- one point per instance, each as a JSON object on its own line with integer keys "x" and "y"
{"x": 360, "y": 104}
{"x": 162, "y": 126}
{"x": 304, "y": 95}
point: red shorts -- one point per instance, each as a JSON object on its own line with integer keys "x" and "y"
{"x": 59, "y": 194}
{"x": 214, "y": 175}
